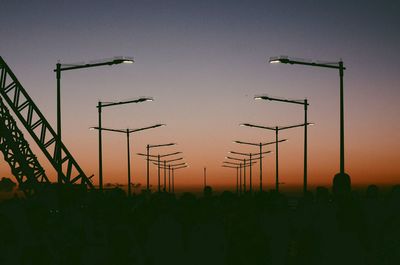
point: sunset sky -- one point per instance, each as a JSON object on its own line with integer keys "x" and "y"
{"x": 203, "y": 62}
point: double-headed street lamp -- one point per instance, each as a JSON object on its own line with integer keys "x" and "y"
{"x": 148, "y": 160}
{"x": 171, "y": 168}
{"x": 260, "y": 145}
{"x": 67, "y": 67}
{"x": 128, "y": 132}
{"x": 305, "y": 105}
{"x": 333, "y": 65}
{"x": 159, "y": 165}
{"x": 99, "y": 107}
{"x": 276, "y": 129}
{"x": 251, "y": 157}
{"x": 159, "y": 162}
{"x": 240, "y": 166}
{"x": 245, "y": 163}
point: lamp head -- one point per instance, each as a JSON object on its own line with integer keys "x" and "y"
{"x": 145, "y": 99}
{"x": 123, "y": 60}
{"x": 280, "y": 59}
{"x": 262, "y": 97}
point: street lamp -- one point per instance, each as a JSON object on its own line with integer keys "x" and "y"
{"x": 148, "y": 160}
{"x": 99, "y": 107}
{"x": 159, "y": 162}
{"x": 305, "y": 105}
{"x": 128, "y": 132}
{"x": 171, "y": 168}
{"x": 260, "y": 145}
{"x": 205, "y": 177}
{"x": 66, "y": 67}
{"x": 334, "y": 65}
{"x": 276, "y": 129}
{"x": 159, "y": 166}
{"x": 245, "y": 163}
{"x": 240, "y": 165}
{"x": 251, "y": 157}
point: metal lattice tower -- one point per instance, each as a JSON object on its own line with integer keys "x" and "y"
{"x": 38, "y": 127}
{"x": 17, "y": 153}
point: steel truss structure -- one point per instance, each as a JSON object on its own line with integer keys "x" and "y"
{"x": 39, "y": 128}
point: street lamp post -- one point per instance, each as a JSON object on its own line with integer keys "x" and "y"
{"x": 173, "y": 168}
{"x": 101, "y": 105}
{"x": 169, "y": 178}
{"x": 241, "y": 166}
{"x": 244, "y": 176}
{"x": 67, "y": 67}
{"x": 260, "y": 145}
{"x": 240, "y": 178}
{"x": 159, "y": 163}
{"x": 335, "y": 65}
{"x": 246, "y": 163}
{"x": 148, "y": 161}
{"x": 205, "y": 177}
{"x": 250, "y": 155}
{"x": 128, "y": 132}
{"x": 305, "y": 105}
{"x": 165, "y": 176}
{"x": 158, "y": 182}
{"x": 276, "y": 129}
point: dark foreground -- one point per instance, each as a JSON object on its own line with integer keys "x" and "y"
{"x": 263, "y": 228}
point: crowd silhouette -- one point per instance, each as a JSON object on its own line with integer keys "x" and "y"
{"x": 337, "y": 226}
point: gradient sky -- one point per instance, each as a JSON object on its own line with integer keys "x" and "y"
{"x": 203, "y": 61}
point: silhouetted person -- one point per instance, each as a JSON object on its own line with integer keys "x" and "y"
{"x": 341, "y": 187}
{"x": 352, "y": 239}
{"x": 207, "y": 192}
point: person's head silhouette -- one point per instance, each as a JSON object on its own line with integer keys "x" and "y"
{"x": 207, "y": 192}
{"x": 341, "y": 186}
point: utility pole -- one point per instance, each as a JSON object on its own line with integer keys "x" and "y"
{"x": 205, "y": 177}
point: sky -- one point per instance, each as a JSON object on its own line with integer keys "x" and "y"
{"x": 203, "y": 62}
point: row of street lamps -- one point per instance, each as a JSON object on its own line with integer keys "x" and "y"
{"x": 164, "y": 164}
{"x": 114, "y": 61}
{"x": 285, "y": 60}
